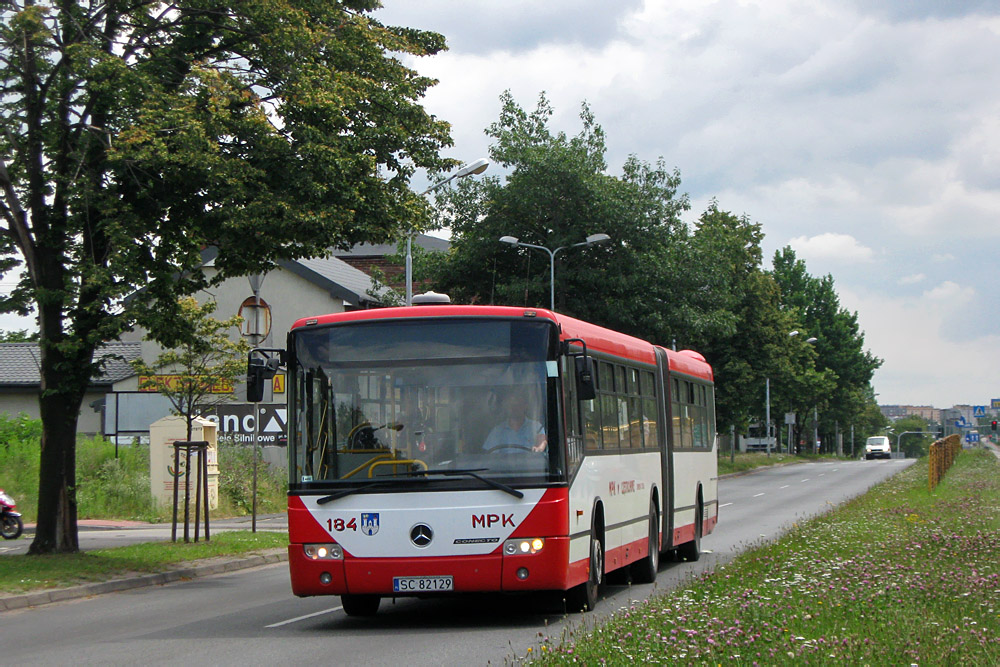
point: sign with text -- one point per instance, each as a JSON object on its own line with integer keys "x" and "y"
{"x": 237, "y": 423}
{"x": 154, "y": 383}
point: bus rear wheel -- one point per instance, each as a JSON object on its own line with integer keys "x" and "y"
{"x": 360, "y": 605}
{"x": 645, "y": 570}
{"x": 691, "y": 551}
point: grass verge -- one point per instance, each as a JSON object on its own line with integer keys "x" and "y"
{"x": 20, "y": 574}
{"x": 744, "y": 461}
{"x": 901, "y": 575}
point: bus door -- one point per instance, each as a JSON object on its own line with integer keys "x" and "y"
{"x": 665, "y": 435}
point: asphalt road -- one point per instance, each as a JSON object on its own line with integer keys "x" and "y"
{"x": 251, "y": 618}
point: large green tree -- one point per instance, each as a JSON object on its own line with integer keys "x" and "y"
{"x": 556, "y": 192}
{"x": 845, "y": 396}
{"x": 137, "y": 133}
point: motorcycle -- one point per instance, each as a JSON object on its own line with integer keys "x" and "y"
{"x": 11, "y": 524}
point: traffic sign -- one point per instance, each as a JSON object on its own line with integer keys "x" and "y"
{"x": 972, "y": 436}
{"x": 978, "y": 410}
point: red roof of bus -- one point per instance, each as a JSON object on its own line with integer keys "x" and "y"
{"x": 597, "y": 338}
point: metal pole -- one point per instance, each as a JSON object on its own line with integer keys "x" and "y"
{"x": 552, "y": 279}
{"x": 256, "y": 445}
{"x": 732, "y": 443}
{"x": 815, "y": 431}
{"x": 767, "y": 413}
{"x": 409, "y": 270}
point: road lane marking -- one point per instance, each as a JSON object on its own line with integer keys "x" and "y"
{"x": 805, "y": 480}
{"x": 724, "y": 505}
{"x": 758, "y": 495}
{"x": 302, "y": 618}
{"x": 784, "y": 487}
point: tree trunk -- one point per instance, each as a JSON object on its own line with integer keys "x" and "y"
{"x": 56, "y": 530}
{"x": 65, "y": 375}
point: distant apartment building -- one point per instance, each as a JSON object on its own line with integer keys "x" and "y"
{"x": 895, "y": 412}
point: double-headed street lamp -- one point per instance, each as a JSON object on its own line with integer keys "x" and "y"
{"x": 593, "y": 239}
{"x": 477, "y": 167}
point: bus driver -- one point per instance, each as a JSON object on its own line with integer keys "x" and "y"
{"x": 517, "y": 430}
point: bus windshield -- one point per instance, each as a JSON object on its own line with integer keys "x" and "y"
{"x": 419, "y": 401}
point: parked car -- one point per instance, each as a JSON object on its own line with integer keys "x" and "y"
{"x": 878, "y": 447}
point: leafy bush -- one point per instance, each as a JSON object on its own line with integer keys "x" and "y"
{"x": 236, "y": 481}
{"x": 115, "y": 485}
{"x": 22, "y": 427}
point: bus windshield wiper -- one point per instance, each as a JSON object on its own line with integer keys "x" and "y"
{"x": 471, "y": 472}
{"x": 346, "y": 492}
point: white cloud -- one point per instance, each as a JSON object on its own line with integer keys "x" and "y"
{"x": 951, "y": 292}
{"x": 841, "y": 247}
{"x": 922, "y": 365}
{"x": 865, "y": 132}
{"x": 912, "y": 279}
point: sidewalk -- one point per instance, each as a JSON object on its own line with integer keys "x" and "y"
{"x": 104, "y": 533}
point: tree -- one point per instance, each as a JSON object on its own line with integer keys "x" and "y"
{"x": 840, "y": 353}
{"x": 556, "y": 193}
{"x": 912, "y": 444}
{"x": 137, "y": 134}
{"x": 18, "y": 336}
{"x": 748, "y": 344}
{"x": 204, "y": 369}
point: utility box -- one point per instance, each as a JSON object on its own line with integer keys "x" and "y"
{"x": 163, "y": 433}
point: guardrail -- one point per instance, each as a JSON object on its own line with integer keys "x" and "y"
{"x": 942, "y": 455}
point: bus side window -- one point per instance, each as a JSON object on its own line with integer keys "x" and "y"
{"x": 647, "y": 392}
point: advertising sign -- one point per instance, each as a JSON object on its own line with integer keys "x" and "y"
{"x": 237, "y": 422}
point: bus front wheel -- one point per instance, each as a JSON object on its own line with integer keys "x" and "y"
{"x": 360, "y": 605}
{"x": 584, "y": 596}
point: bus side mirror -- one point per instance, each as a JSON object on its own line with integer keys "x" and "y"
{"x": 260, "y": 370}
{"x": 586, "y": 383}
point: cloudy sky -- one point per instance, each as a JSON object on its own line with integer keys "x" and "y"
{"x": 864, "y": 134}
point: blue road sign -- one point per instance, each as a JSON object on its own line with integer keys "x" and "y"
{"x": 978, "y": 410}
{"x": 971, "y": 437}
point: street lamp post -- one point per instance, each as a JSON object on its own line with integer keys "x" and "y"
{"x": 593, "y": 239}
{"x": 477, "y": 167}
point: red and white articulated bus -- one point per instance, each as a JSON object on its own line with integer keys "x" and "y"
{"x": 440, "y": 450}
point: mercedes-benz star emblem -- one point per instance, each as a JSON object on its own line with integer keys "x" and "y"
{"x": 421, "y": 535}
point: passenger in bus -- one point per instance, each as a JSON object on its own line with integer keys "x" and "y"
{"x": 517, "y": 430}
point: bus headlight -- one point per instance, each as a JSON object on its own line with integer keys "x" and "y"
{"x": 524, "y": 545}
{"x": 323, "y": 551}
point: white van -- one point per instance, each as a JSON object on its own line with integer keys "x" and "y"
{"x": 877, "y": 447}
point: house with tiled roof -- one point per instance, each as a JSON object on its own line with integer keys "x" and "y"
{"x": 293, "y": 290}
{"x": 20, "y": 380}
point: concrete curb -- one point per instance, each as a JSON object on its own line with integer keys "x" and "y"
{"x": 34, "y": 599}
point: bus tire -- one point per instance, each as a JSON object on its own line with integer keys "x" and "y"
{"x": 360, "y": 605}
{"x": 584, "y": 597}
{"x": 691, "y": 551}
{"x": 645, "y": 570}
